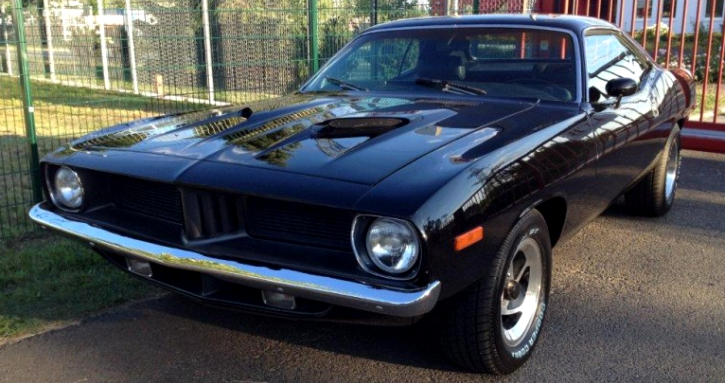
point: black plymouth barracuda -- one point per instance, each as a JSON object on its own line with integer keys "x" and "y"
{"x": 428, "y": 168}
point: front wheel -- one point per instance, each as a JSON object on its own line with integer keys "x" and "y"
{"x": 493, "y": 327}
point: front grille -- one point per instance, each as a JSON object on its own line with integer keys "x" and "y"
{"x": 149, "y": 198}
{"x": 207, "y": 214}
{"x": 298, "y": 222}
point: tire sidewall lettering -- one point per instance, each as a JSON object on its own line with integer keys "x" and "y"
{"x": 528, "y": 344}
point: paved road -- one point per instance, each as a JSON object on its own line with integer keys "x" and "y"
{"x": 633, "y": 300}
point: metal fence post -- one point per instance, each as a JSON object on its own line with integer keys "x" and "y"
{"x": 128, "y": 19}
{"x": 6, "y": 38}
{"x": 476, "y": 6}
{"x": 28, "y": 108}
{"x": 312, "y": 25}
{"x": 373, "y": 12}
{"x": 104, "y": 46}
{"x": 49, "y": 40}
{"x": 207, "y": 49}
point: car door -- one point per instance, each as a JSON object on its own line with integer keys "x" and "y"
{"x": 626, "y": 128}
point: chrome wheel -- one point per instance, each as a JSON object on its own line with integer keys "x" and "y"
{"x": 673, "y": 168}
{"x": 522, "y": 292}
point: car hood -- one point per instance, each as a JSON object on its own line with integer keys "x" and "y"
{"x": 354, "y": 139}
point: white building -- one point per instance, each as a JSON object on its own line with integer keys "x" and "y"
{"x": 689, "y": 15}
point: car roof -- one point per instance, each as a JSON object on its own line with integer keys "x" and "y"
{"x": 574, "y": 23}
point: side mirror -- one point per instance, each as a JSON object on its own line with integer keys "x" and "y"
{"x": 620, "y": 87}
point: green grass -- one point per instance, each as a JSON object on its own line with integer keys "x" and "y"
{"x": 48, "y": 281}
{"x": 67, "y": 111}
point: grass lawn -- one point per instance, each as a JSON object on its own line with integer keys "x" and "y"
{"x": 65, "y": 111}
{"x": 46, "y": 281}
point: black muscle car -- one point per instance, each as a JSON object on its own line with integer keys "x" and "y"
{"x": 428, "y": 168}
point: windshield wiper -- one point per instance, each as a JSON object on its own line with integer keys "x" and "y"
{"x": 343, "y": 84}
{"x": 449, "y": 86}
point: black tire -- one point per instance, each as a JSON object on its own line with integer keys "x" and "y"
{"x": 654, "y": 195}
{"x": 472, "y": 326}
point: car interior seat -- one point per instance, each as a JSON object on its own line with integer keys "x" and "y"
{"x": 438, "y": 67}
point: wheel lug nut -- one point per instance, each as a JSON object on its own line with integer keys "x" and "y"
{"x": 512, "y": 290}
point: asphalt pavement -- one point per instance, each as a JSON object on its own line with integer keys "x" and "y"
{"x": 633, "y": 299}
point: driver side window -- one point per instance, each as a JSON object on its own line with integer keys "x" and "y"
{"x": 608, "y": 58}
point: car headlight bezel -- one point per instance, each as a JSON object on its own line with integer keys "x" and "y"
{"x": 362, "y": 226}
{"x": 60, "y": 199}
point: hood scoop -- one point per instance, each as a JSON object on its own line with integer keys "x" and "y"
{"x": 359, "y": 127}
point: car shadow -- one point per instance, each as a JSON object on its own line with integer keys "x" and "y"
{"x": 416, "y": 345}
{"x": 700, "y": 189}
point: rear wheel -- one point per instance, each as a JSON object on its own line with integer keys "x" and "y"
{"x": 493, "y": 327}
{"x": 654, "y": 195}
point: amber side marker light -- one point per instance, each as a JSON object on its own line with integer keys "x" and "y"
{"x": 468, "y": 238}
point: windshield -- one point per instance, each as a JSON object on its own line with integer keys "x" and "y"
{"x": 501, "y": 62}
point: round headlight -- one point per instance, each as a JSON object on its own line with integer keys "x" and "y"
{"x": 392, "y": 245}
{"x": 68, "y": 190}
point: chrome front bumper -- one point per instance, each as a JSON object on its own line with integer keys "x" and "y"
{"x": 304, "y": 285}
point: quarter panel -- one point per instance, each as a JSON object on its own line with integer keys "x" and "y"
{"x": 632, "y": 136}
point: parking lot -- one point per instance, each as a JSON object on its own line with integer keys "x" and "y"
{"x": 633, "y": 299}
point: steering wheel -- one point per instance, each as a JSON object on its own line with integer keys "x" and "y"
{"x": 555, "y": 90}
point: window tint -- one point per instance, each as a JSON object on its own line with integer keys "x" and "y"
{"x": 607, "y": 58}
